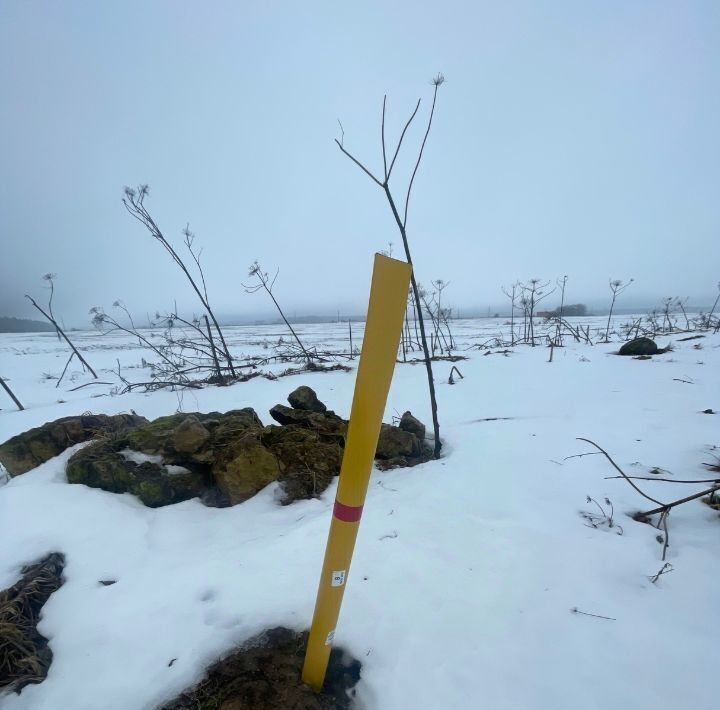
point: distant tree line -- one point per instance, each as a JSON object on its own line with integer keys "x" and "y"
{"x": 574, "y": 309}
{"x": 24, "y": 325}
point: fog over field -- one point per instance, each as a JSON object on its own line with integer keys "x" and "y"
{"x": 359, "y": 356}
{"x": 569, "y": 139}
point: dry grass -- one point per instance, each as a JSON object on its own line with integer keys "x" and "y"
{"x": 24, "y": 654}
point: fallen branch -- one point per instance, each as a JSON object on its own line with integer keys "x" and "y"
{"x": 667, "y": 506}
{"x": 667, "y": 567}
{"x": 620, "y": 471}
{"x": 575, "y": 610}
{"x": 667, "y": 480}
{"x": 87, "y": 384}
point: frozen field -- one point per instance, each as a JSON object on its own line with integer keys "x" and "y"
{"x": 466, "y": 569}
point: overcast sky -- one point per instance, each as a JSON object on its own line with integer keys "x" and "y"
{"x": 578, "y": 138}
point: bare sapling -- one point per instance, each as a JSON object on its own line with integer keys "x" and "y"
{"x": 616, "y": 288}
{"x": 407, "y": 344}
{"x": 512, "y": 295}
{"x": 134, "y": 202}
{"x": 266, "y": 284}
{"x": 714, "y": 306}
{"x": 50, "y": 278}
{"x": 444, "y": 314}
{"x": 558, "y": 331}
{"x": 667, "y": 325}
{"x": 60, "y": 332}
{"x": 401, "y": 222}
{"x": 535, "y": 291}
{"x": 680, "y": 303}
{"x": 435, "y": 313}
{"x": 524, "y": 302}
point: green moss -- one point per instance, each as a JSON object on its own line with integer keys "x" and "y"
{"x": 150, "y": 492}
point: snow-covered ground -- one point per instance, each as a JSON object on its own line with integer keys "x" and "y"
{"x": 466, "y": 568}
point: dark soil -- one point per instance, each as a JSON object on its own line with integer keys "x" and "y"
{"x": 265, "y": 675}
{"x": 24, "y": 653}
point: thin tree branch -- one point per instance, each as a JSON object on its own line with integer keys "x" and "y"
{"x": 667, "y": 506}
{"x": 619, "y": 470}
{"x": 402, "y": 135}
{"x": 666, "y": 480}
{"x": 385, "y": 169}
{"x": 438, "y": 81}
{"x": 358, "y": 163}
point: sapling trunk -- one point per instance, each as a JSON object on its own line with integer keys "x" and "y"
{"x": 6, "y": 387}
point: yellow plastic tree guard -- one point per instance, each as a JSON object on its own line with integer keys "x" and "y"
{"x": 388, "y": 297}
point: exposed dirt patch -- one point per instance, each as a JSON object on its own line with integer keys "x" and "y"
{"x": 24, "y": 653}
{"x": 265, "y": 675}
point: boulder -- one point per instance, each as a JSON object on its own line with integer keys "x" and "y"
{"x": 412, "y": 425}
{"x": 304, "y": 397}
{"x": 190, "y": 435}
{"x": 246, "y": 472}
{"x": 639, "y": 346}
{"x": 179, "y": 438}
{"x": 226, "y": 458}
{"x": 395, "y": 443}
{"x": 325, "y": 423}
{"x": 36, "y": 446}
{"x": 308, "y": 459}
{"x": 214, "y": 456}
{"x": 109, "y": 466}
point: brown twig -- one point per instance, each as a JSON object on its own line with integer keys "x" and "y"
{"x": 87, "y": 384}
{"x": 666, "y": 480}
{"x": 620, "y": 471}
{"x": 575, "y": 610}
{"x": 667, "y": 506}
{"x": 667, "y": 567}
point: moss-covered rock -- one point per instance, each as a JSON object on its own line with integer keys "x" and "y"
{"x": 105, "y": 465}
{"x": 394, "y": 442}
{"x": 304, "y": 397}
{"x": 410, "y": 424}
{"x": 36, "y": 446}
{"x": 308, "y": 459}
{"x": 327, "y": 424}
{"x": 246, "y": 472}
{"x": 190, "y": 435}
{"x": 639, "y": 346}
{"x": 227, "y": 458}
